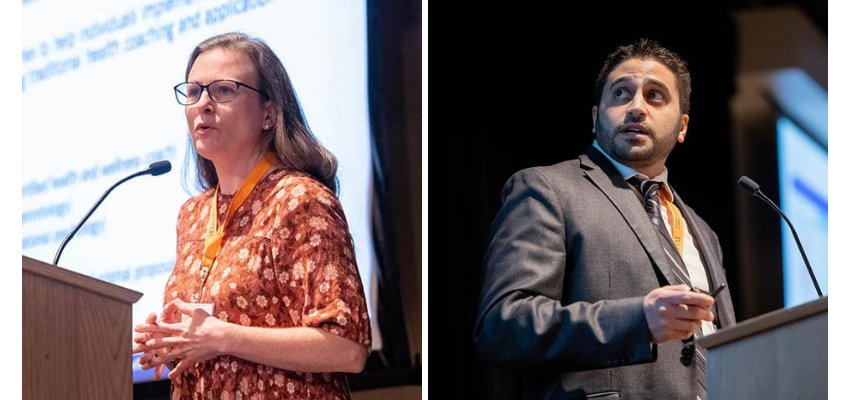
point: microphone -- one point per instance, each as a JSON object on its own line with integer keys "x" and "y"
{"x": 155, "y": 169}
{"x": 752, "y": 188}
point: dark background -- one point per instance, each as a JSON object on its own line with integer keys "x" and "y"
{"x": 512, "y": 87}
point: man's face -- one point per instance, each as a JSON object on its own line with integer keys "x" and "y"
{"x": 638, "y": 120}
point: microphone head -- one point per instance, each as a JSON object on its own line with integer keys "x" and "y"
{"x": 748, "y": 185}
{"x": 160, "y": 167}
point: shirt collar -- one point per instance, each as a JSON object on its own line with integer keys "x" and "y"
{"x": 629, "y": 173}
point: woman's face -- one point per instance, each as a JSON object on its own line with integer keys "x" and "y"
{"x": 227, "y": 133}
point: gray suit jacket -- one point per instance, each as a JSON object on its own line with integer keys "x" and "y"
{"x": 572, "y": 254}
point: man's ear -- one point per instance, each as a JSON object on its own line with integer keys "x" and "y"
{"x": 595, "y": 109}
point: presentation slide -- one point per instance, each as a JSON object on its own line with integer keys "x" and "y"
{"x": 98, "y": 105}
{"x": 803, "y": 198}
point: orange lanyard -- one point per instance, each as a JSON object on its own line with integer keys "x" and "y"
{"x": 677, "y": 222}
{"x": 214, "y": 233}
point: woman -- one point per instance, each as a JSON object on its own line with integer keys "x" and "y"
{"x": 265, "y": 299}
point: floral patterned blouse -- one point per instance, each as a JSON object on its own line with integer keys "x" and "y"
{"x": 286, "y": 260}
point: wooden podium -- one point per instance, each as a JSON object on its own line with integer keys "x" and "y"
{"x": 778, "y": 355}
{"x": 76, "y": 335}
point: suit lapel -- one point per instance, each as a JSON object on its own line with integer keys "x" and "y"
{"x": 604, "y": 176}
{"x": 711, "y": 258}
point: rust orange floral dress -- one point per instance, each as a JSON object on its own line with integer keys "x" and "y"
{"x": 286, "y": 260}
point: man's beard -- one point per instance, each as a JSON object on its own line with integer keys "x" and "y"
{"x": 658, "y": 149}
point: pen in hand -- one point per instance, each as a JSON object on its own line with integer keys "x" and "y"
{"x": 713, "y": 293}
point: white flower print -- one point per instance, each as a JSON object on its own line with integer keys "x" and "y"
{"x": 191, "y": 206}
{"x": 234, "y": 366}
{"x": 290, "y": 387}
{"x": 311, "y": 265}
{"x": 286, "y": 300}
{"x": 270, "y": 320}
{"x": 315, "y": 240}
{"x": 225, "y": 395}
{"x": 225, "y": 272}
{"x": 256, "y": 206}
{"x": 204, "y": 212}
{"x": 222, "y": 315}
{"x": 283, "y": 277}
{"x": 215, "y": 288}
{"x": 323, "y": 288}
{"x": 241, "y": 302}
{"x": 284, "y": 233}
{"x": 244, "y": 221}
{"x": 299, "y": 190}
{"x": 342, "y": 306}
{"x": 278, "y": 379}
{"x": 298, "y": 236}
{"x": 244, "y": 320}
{"x": 330, "y": 272}
{"x": 268, "y": 274}
{"x": 292, "y": 204}
{"x": 298, "y": 270}
{"x": 171, "y": 280}
{"x": 318, "y": 223}
{"x": 243, "y": 254}
{"x": 254, "y": 264}
{"x": 274, "y": 300}
{"x": 342, "y": 320}
{"x": 261, "y": 301}
{"x": 232, "y": 285}
{"x": 324, "y": 199}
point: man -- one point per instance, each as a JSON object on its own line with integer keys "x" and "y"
{"x": 594, "y": 272}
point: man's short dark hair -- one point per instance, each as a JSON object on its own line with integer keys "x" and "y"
{"x": 647, "y": 49}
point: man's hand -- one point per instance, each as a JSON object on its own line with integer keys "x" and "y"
{"x": 674, "y": 312}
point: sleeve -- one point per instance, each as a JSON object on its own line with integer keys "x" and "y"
{"x": 521, "y": 318}
{"x": 315, "y": 243}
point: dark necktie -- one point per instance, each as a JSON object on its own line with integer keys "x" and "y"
{"x": 652, "y": 205}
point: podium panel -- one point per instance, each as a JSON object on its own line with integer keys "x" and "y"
{"x": 76, "y": 335}
{"x": 779, "y": 355}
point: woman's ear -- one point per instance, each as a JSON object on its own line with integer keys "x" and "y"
{"x": 268, "y": 115}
